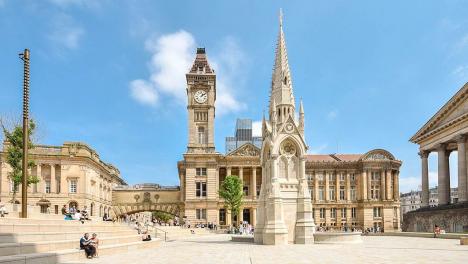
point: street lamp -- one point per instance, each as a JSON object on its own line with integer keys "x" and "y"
{"x": 24, "y": 188}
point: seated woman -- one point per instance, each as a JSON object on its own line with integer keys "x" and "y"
{"x": 95, "y": 242}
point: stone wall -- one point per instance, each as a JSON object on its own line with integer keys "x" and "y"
{"x": 451, "y": 218}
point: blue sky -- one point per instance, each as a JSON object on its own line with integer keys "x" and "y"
{"x": 111, "y": 73}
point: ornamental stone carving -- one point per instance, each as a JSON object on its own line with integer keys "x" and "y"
{"x": 137, "y": 197}
{"x": 246, "y": 150}
{"x": 288, "y": 148}
{"x": 147, "y": 197}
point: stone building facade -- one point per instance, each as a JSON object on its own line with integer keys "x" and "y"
{"x": 346, "y": 189}
{"x": 445, "y": 133}
{"x": 71, "y": 174}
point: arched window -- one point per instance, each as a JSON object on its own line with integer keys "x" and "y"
{"x": 73, "y": 204}
{"x": 201, "y": 135}
{"x": 92, "y": 209}
{"x": 285, "y": 81}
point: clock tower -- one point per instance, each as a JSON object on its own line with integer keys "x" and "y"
{"x": 201, "y": 95}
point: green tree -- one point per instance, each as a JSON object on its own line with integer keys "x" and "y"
{"x": 14, "y": 154}
{"x": 232, "y": 193}
{"x": 162, "y": 216}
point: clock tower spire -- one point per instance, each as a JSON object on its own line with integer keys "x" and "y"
{"x": 201, "y": 95}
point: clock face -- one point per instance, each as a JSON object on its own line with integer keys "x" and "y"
{"x": 200, "y": 96}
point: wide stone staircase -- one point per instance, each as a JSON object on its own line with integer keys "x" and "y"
{"x": 57, "y": 241}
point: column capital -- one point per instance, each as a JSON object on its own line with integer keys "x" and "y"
{"x": 424, "y": 154}
{"x": 461, "y": 138}
{"x": 441, "y": 147}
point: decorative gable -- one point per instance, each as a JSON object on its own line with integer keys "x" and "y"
{"x": 246, "y": 150}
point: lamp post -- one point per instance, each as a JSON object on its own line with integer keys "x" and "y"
{"x": 24, "y": 188}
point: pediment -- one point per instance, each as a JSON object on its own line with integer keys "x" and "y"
{"x": 454, "y": 109}
{"x": 247, "y": 149}
{"x": 378, "y": 154}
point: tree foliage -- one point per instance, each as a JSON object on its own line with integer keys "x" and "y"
{"x": 232, "y": 193}
{"x": 162, "y": 216}
{"x": 14, "y": 154}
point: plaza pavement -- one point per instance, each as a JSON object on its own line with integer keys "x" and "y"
{"x": 218, "y": 249}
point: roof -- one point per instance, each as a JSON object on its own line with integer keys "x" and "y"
{"x": 333, "y": 157}
{"x": 200, "y": 65}
{"x": 442, "y": 113}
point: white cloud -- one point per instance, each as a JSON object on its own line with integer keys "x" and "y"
{"x": 172, "y": 56}
{"x": 461, "y": 72}
{"x": 257, "y": 128}
{"x": 65, "y": 32}
{"x": 79, "y": 3}
{"x": 319, "y": 149}
{"x": 414, "y": 182}
{"x": 143, "y": 92}
{"x": 332, "y": 115}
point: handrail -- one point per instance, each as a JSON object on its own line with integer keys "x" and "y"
{"x": 165, "y": 233}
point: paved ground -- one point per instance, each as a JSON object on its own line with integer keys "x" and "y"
{"x": 218, "y": 249}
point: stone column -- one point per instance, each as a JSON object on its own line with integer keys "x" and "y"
{"x": 424, "y": 178}
{"x": 369, "y": 185}
{"x": 388, "y": 185}
{"x": 396, "y": 190}
{"x": 316, "y": 188}
{"x": 41, "y": 179}
{"x": 462, "y": 175}
{"x": 53, "y": 182}
{"x": 444, "y": 175}
{"x": 337, "y": 186}
{"x": 327, "y": 186}
{"x": 253, "y": 213}
{"x": 241, "y": 176}
{"x": 383, "y": 195}
{"x": 228, "y": 217}
{"x": 364, "y": 185}
{"x": 228, "y": 171}
{"x": 348, "y": 187}
{"x": 254, "y": 182}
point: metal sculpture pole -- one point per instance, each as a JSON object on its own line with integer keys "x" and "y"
{"x": 24, "y": 188}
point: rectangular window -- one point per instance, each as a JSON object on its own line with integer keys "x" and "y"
{"x": 333, "y": 213}
{"x": 320, "y": 177}
{"x": 311, "y": 190}
{"x": 353, "y": 193}
{"x": 375, "y": 176}
{"x": 321, "y": 194}
{"x": 310, "y": 177}
{"x": 353, "y": 177}
{"x": 342, "y": 177}
{"x": 377, "y": 212}
{"x": 201, "y": 135}
{"x": 322, "y": 213}
{"x": 331, "y": 194}
{"x": 201, "y": 214}
{"x": 222, "y": 215}
{"x": 332, "y": 177}
{"x": 201, "y": 171}
{"x": 343, "y": 212}
{"x": 313, "y": 213}
{"x": 47, "y": 186}
{"x": 73, "y": 186}
{"x": 200, "y": 189}
{"x": 353, "y": 212}
{"x": 246, "y": 190}
{"x": 342, "y": 193}
{"x": 201, "y": 116}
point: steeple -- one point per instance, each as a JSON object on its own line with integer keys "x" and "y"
{"x": 281, "y": 84}
{"x": 301, "y": 118}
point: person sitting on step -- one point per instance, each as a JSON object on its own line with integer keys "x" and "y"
{"x": 95, "y": 242}
{"x": 87, "y": 246}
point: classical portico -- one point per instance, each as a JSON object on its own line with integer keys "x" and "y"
{"x": 443, "y": 134}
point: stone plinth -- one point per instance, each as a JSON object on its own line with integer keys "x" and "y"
{"x": 243, "y": 238}
{"x": 337, "y": 237}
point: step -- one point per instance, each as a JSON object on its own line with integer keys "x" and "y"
{"x": 73, "y": 255}
{"x": 50, "y": 236}
{"x": 8, "y": 249}
{"x": 53, "y": 221}
{"x": 78, "y": 227}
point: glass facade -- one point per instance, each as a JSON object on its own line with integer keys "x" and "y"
{"x": 243, "y": 135}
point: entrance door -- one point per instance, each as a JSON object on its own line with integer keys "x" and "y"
{"x": 246, "y": 215}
